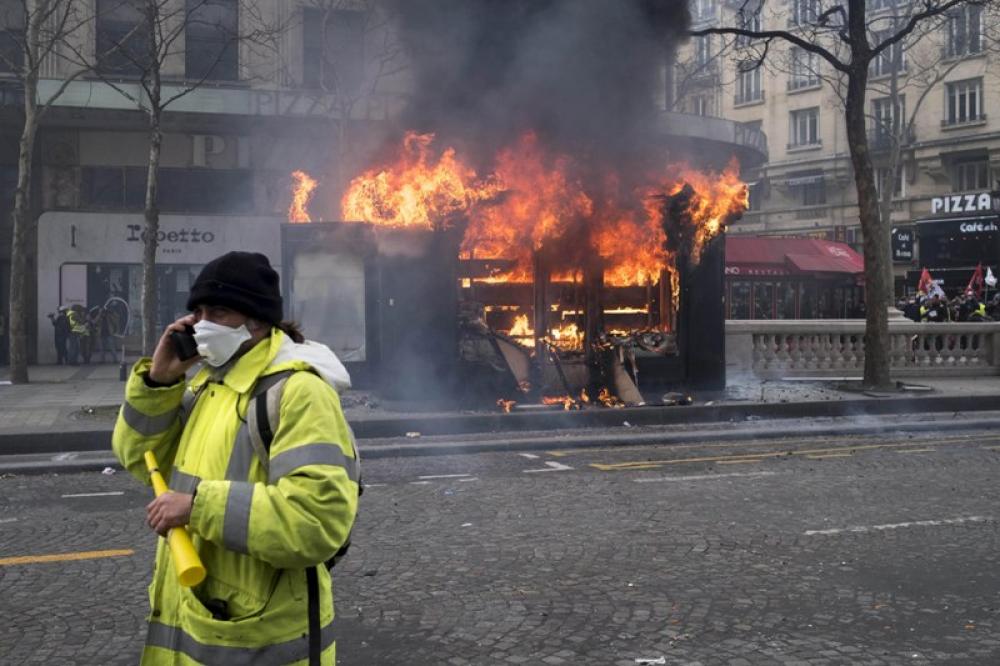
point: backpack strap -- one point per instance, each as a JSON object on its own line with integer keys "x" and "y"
{"x": 263, "y": 414}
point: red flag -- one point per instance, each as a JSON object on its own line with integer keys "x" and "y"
{"x": 924, "y": 285}
{"x": 976, "y": 283}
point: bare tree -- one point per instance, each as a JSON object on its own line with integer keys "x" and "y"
{"x": 156, "y": 55}
{"x": 840, "y": 34}
{"x": 34, "y": 34}
{"x": 351, "y": 51}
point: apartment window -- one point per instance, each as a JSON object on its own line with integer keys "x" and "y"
{"x": 11, "y": 36}
{"x": 748, "y": 84}
{"x": 889, "y": 60}
{"x": 703, "y": 50}
{"x": 703, "y": 9}
{"x": 889, "y": 116}
{"x": 882, "y": 176}
{"x": 965, "y": 31}
{"x": 814, "y": 193}
{"x": 805, "y": 69}
{"x": 123, "y": 46}
{"x": 804, "y": 127}
{"x": 333, "y": 49}
{"x": 211, "y": 49}
{"x": 748, "y": 18}
{"x": 964, "y": 102}
{"x": 804, "y": 12}
{"x": 970, "y": 174}
{"x": 701, "y": 105}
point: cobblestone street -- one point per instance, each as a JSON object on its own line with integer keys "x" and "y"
{"x": 836, "y": 551}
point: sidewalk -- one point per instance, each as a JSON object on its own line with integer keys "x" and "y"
{"x": 74, "y": 409}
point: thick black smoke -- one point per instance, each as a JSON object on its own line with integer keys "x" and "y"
{"x": 581, "y": 73}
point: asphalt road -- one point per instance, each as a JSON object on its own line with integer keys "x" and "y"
{"x": 852, "y": 550}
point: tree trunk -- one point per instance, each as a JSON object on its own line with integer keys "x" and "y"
{"x": 151, "y": 212}
{"x": 878, "y": 274}
{"x": 22, "y": 222}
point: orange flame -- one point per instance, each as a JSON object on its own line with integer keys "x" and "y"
{"x": 506, "y": 405}
{"x": 419, "y": 190}
{"x": 303, "y": 186}
{"x": 566, "y": 401}
{"x": 532, "y": 199}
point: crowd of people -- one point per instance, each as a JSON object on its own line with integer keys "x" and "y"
{"x": 937, "y": 307}
{"x": 82, "y": 333}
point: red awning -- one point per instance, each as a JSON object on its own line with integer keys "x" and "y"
{"x": 762, "y": 256}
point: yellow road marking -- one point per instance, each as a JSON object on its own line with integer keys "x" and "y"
{"x": 754, "y": 443}
{"x": 65, "y": 557}
{"x": 830, "y": 455}
{"x": 915, "y": 450}
{"x": 739, "y": 462}
{"x": 752, "y": 457}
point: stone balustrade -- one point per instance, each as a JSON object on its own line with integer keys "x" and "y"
{"x": 772, "y": 349}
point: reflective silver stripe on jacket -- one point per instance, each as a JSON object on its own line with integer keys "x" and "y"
{"x": 312, "y": 454}
{"x": 148, "y": 425}
{"x": 236, "y": 524}
{"x": 182, "y": 482}
{"x": 174, "y": 638}
{"x": 241, "y": 457}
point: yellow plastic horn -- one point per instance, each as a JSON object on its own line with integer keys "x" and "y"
{"x": 190, "y": 570}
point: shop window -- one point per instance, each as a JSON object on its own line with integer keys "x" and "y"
{"x": 740, "y": 302}
{"x": 785, "y": 300}
{"x": 211, "y": 47}
{"x": 181, "y": 190}
{"x": 964, "y": 100}
{"x": 123, "y": 45}
{"x": 333, "y": 49}
{"x": 807, "y": 301}
{"x": 763, "y": 300}
{"x": 972, "y": 174}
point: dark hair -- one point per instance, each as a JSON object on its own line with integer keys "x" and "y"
{"x": 291, "y": 329}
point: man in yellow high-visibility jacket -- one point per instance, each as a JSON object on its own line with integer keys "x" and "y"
{"x": 264, "y": 522}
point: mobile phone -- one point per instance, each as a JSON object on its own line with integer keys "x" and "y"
{"x": 184, "y": 343}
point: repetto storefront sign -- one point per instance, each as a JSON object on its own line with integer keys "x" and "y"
{"x": 70, "y": 242}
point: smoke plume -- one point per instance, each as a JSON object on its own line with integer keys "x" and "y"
{"x": 580, "y": 73}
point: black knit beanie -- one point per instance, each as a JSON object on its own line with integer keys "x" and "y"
{"x": 243, "y": 281}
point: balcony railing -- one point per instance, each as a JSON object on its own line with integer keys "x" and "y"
{"x": 882, "y": 139}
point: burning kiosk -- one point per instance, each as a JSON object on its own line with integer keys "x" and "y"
{"x": 524, "y": 284}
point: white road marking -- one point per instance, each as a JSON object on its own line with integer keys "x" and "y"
{"x": 65, "y": 456}
{"x": 896, "y": 526}
{"x": 467, "y": 480}
{"x": 703, "y": 477}
{"x": 420, "y": 483}
{"x": 443, "y": 476}
{"x": 8, "y": 520}
{"x": 374, "y": 485}
{"x": 551, "y": 467}
{"x": 532, "y": 456}
{"x": 109, "y": 494}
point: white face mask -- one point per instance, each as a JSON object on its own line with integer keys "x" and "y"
{"x": 218, "y": 343}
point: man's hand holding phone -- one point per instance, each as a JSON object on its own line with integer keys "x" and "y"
{"x": 168, "y": 365}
